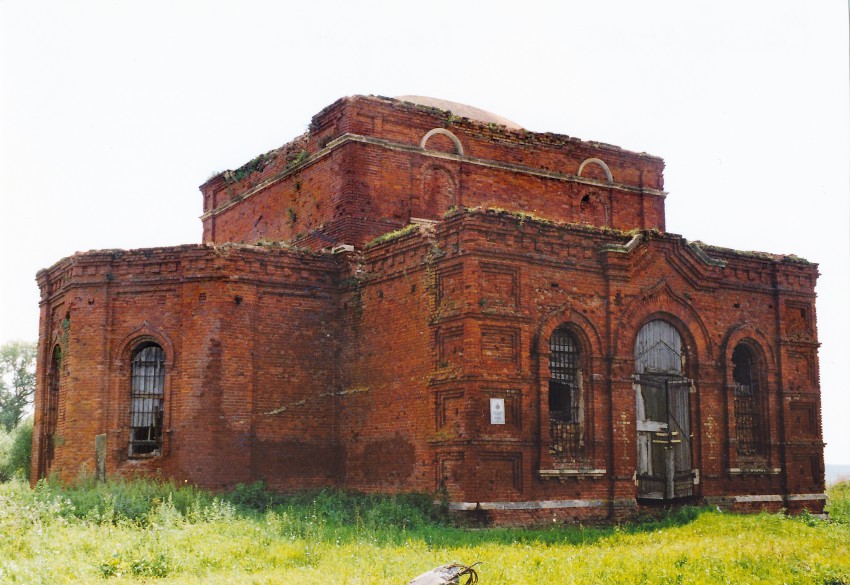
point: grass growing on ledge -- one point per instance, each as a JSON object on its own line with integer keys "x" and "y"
{"x": 165, "y": 533}
{"x": 391, "y": 235}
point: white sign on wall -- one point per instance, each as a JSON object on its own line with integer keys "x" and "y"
{"x": 497, "y": 411}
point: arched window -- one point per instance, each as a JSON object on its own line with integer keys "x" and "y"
{"x": 748, "y": 427}
{"x": 51, "y": 418}
{"x": 146, "y": 398}
{"x": 565, "y": 400}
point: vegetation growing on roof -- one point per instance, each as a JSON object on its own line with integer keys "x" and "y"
{"x": 255, "y": 165}
{"x": 298, "y": 159}
{"x": 267, "y": 245}
{"x": 394, "y": 235}
{"x": 524, "y": 216}
{"x": 751, "y": 254}
{"x": 294, "y": 153}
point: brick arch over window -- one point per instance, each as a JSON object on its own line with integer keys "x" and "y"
{"x": 660, "y": 302}
{"x": 575, "y": 318}
{"x": 748, "y": 333}
{"x": 567, "y": 347}
{"x": 442, "y": 131}
{"x": 145, "y": 332}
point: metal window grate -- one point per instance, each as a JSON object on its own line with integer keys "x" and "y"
{"x": 148, "y": 381}
{"x": 53, "y": 391}
{"x": 52, "y": 407}
{"x": 747, "y": 419}
{"x": 564, "y": 393}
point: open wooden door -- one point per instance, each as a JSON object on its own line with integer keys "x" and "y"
{"x": 663, "y": 415}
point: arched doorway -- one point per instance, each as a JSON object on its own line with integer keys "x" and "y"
{"x": 663, "y": 414}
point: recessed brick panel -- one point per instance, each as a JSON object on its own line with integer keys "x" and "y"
{"x": 804, "y": 417}
{"x": 499, "y": 474}
{"x": 449, "y": 288}
{"x": 797, "y": 317}
{"x": 500, "y": 347}
{"x": 450, "y": 410}
{"x": 499, "y": 286}
{"x": 450, "y": 342}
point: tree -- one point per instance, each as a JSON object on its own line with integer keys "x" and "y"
{"x": 16, "y": 451}
{"x": 17, "y": 381}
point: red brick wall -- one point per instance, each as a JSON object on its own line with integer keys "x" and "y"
{"x": 374, "y": 370}
{"x": 249, "y": 335}
{"x": 493, "y": 295}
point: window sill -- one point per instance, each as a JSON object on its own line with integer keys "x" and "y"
{"x": 571, "y": 473}
{"x": 143, "y": 456}
{"x": 754, "y": 471}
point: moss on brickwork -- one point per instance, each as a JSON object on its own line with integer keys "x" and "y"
{"x": 390, "y": 236}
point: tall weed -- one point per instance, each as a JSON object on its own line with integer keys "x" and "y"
{"x": 135, "y": 501}
{"x": 838, "y": 502}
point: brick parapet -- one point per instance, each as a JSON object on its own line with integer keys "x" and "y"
{"x": 270, "y": 264}
{"x": 405, "y": 122}
{"x": 297, "y": 192}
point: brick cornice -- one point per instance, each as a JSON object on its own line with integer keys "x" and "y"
{"x": 349, "y": 138}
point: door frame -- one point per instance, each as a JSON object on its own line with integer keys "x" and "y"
{"x": 664, "y": 447}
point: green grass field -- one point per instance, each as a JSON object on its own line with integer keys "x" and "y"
{"x": 143, "y": 532}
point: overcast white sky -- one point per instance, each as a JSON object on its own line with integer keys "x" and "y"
{"x": 113, "y": 112}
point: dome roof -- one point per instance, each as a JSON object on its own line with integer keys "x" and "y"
{"x": 460, "y": 110}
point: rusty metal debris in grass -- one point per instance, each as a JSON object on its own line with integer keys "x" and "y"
{"x": 448, "y": 575}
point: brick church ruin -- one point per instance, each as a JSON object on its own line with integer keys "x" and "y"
{"x": 410, "y": 297}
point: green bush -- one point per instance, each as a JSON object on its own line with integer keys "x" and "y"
{"x": 403, "y": 510}
{"x": 136, "y": 501}
{"x": 6, "y": 440}
{"x": 16, "y": 451}
{"x": 253, "y": 496}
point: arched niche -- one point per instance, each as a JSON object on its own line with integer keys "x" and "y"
{"x": 593, "y": 209}
{"x": 437, "y": 193}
